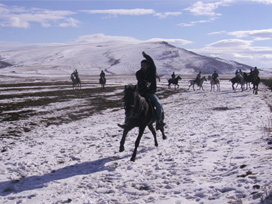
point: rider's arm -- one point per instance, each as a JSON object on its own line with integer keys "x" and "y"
{"x": 151, "y": 63}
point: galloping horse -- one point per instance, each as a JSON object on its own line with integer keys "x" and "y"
{"x": 214, "y": 82}
{"x": 174, "y": 81}
{"x": 248, "y": 79}
{"x": 200, "y": 84}
{"x": 75, "y": 81}
{"x": 238, "y": 80}
{"x": 102, "y": 81}
{"x": 140, "y": 113}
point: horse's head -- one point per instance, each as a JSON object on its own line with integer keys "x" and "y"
{"x": 130, "y": 93}
{"x": 204, "y": 78}
{"x": 179, "y": 78}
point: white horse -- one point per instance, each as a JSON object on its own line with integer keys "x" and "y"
{"x": 214, "y": 83}
{"x": 200, "y": 84}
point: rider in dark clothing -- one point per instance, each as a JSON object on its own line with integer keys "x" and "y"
{"x": 146, "y": 76}
{"x": 198, "y": 77}
{"x": 256, "y": 71}
{"x": 214, "y": 76}
{"x": 102, "y": 74}
{"x": 147, "y": 87}
{"x": 173, "y": 76}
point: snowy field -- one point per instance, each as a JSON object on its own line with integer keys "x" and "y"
{"x": 65, "y": 148}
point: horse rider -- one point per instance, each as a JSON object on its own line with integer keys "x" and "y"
{"x": 198, "y": 77}
{"x": 236, "y": 73}
{"x": 173, "y": 76}
{"x": 75, "y": 73}
{"x": 102, "y": 74}
{"x": 214, "y": 76}
{"x": 256, "y": 71}
{"x": 239, "y": 73}
{"x": 147, "y": 87}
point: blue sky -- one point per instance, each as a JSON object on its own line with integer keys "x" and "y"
{"x": 239, "y": 30}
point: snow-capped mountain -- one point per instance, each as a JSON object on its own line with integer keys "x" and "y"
{"x": 114, "y": 58}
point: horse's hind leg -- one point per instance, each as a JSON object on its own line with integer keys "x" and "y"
{"x": 151, "y": 128}
{"x": 137, "y": 142}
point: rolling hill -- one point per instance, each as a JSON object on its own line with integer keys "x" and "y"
{"x": 114, "y": 58}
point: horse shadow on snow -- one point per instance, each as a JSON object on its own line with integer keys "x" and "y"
{"x": 36, "y": 182}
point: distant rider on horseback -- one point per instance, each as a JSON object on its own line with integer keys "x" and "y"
{"x": 256, "y": 71}
{"x": 147, "y": 87}
{"x": 102, "y": 74}
{"x": 75, "y": 73}
{"x": 215, "y": 76}
{"x": 198, "y": 77}
{"x": 173, "y": 76}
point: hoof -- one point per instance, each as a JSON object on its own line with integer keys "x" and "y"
{"x": 164, "y": 137}
{"x": 121, "y": 149}
{"x": 132, "y": 159}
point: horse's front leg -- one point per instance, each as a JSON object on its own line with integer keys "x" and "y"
{"x": 151, "y": 128}
{"x": 125, "y": 132}
{"x": 137, "y": 142}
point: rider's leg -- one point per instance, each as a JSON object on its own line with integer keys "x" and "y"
{"x": 156, "y": 102}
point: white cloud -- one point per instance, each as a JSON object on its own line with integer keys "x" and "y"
{"x": 133, "y": 12}
{"x": 20, "y": 18}
{"x": 100, "y": 38}
{"x": 207, "y": 9}
{"x": 193, "y": 23}
{"x": 217, "y": 32}
{"x": 239, "y": 50}
{"x": 70, "y": 22}
{"x": 115, "y": 12}
{"x": 167, "y": 14}
{"x": 263, "y": 1}
{"x": 263, "y": 34}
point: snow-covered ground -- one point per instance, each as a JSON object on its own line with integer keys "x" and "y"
{"x": 217, "y": 151}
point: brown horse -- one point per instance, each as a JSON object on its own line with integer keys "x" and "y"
{"x": 139, "y": 113}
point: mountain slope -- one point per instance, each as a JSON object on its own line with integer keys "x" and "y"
{"x": 114, "y": 58}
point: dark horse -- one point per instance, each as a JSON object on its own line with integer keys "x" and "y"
{"x": 102, "y": 81}
{"x": 139, "y": 113}
{"x": 75, "y": 81}
{"x": 174, "y": 81}
{"x": 255, "y": 81}
{"x": 237, "y": 80}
